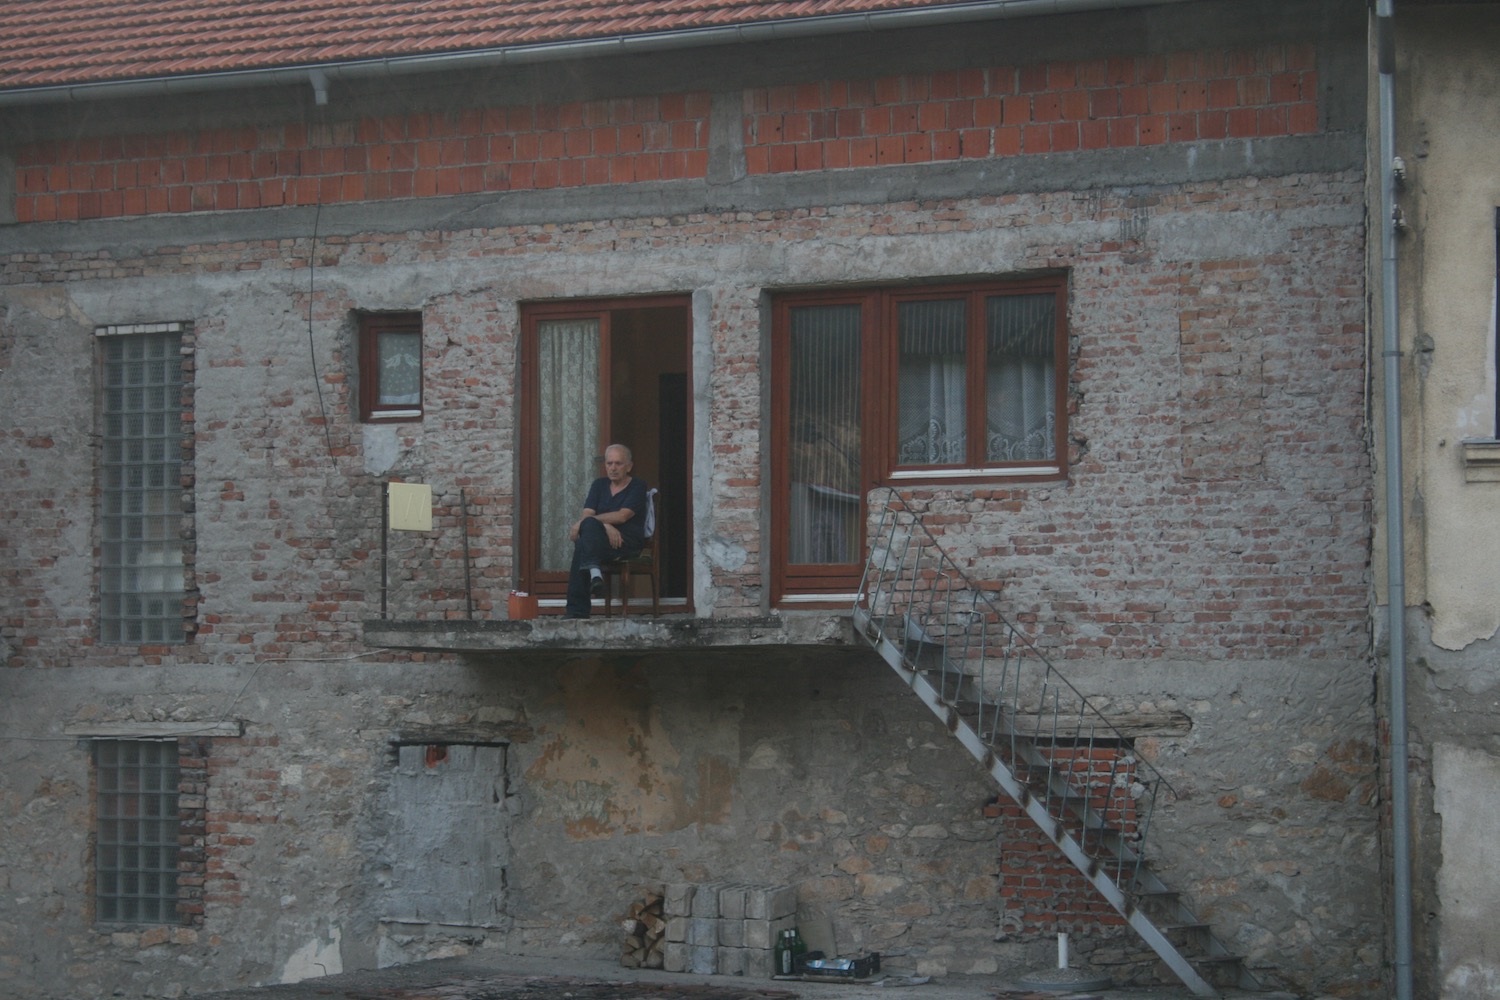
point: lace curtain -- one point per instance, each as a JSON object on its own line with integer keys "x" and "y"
{"x": 400, "y": 354}
{"x": 1020, "y": 378}
{"x": 932, "y": 381}
{"x": 568, "y": 377}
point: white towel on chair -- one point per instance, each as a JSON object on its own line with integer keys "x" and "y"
{"x": 651, "y": 512}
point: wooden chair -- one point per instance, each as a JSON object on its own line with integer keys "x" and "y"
{"x": 643, "y": 563}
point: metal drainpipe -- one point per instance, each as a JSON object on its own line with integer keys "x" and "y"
{"x": 319, "y": 74}
{"x": 1395, "y": 544}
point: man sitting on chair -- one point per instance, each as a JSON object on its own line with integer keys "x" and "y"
{"x": 612, "y": 527}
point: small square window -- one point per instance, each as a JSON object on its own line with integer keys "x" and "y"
{"x": 390, "y": 367}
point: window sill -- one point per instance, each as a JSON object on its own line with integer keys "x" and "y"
{"x": 393, "y": 416}
{"x": 1050, "y": 471}
{"x": 1481, "y": 460}
{"x": 151, "y": 730}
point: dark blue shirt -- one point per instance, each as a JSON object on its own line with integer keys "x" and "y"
{"x": 633, "y": 496}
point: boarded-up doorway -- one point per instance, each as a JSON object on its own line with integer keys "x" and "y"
{"x": 448, "y": 847}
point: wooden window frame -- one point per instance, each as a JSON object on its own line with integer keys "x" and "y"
{"x": 879, "y": 445}
{"x": 810, "y": 580}
{"x": 551, "y": 585}
{"x": 371, "y": 326}
{"x": 977, "y": 469}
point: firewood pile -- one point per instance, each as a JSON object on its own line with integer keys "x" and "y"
{"x": 645, "y": 933}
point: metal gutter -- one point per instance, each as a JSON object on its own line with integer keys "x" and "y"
{"x": 318, "y": 75}
{"x": 1388, "y": 167}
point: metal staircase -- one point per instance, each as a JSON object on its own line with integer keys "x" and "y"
{"x": 1030, "y": 728}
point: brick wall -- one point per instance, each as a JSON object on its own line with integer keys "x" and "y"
{"x": 1180, "y": 534}
{"x": 982, "y": 112}
{"x": 1043, "y": 108}
{"x": 240, "y": 799}
{"x": 409, "y": 156}
{"x": 1040, "y": 890}
{"x": 192, "y": 805}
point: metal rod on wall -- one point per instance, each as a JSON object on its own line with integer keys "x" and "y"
{"x": 385, "y": 542}
{"x": 463, "y": 503}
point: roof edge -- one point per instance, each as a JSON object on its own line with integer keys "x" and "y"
{"x": 317, "y": 75}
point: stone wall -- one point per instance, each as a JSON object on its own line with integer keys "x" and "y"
{"x": 810, "y": 769}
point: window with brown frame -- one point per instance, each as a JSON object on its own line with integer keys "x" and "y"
{"x": 390, "y": 366}
{"x": 960, "y": 383}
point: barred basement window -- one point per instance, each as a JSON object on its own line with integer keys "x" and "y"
{"x": 143, "y": 584}
{"x": 137, "y": 832}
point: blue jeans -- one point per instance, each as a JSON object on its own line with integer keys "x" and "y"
{"x": 591, "y": 550}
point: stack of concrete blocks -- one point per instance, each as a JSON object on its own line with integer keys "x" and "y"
{"x": 726, "y": 929}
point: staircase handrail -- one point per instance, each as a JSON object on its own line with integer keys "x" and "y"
{"x": 893, "y": 497}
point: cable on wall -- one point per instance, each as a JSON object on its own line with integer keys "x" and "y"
{"x": 320, "y": 100}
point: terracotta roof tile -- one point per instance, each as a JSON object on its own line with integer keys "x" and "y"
{"x": 62, "y": 42}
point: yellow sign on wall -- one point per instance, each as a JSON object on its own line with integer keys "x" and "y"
{"x": 410, "y": 506}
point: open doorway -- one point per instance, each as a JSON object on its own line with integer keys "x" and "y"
{"x": 593, "y": 374}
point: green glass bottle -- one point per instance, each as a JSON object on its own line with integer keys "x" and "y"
{"x": 799, "y": 948}
{"x": 784, "y": 960}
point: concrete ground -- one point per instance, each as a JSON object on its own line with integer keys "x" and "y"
{"x": 509, "y": 977}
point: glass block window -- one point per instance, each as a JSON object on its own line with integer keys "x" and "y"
{"x": 390, "y": 366}
{"x": 137, "y": 833}
{"x": 142, "y": 585}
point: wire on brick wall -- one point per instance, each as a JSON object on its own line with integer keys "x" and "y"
{"x": 312, "y": 276}
{"x": 321, "y": 123}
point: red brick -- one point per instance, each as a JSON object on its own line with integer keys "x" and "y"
{"x": 1303, "y": 119}
{"x": 1243, "y": 123}
{"x": 1093, "y": 135}
{"x": 1046, "y": 107}
{"x": 1182, "y": 127}
{"x": 1036, "y": 139}
{"x": 863, "y": 153}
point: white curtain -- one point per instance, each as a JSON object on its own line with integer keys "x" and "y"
{"x": 400, "y": 368}
{"x": 568, "y": 377}
{"x": 930, "y": 387}
{"x": 1020, "y": 378}
{"x": 1022, "y": 411}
